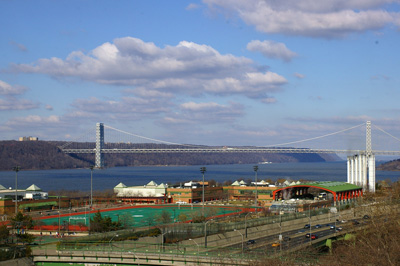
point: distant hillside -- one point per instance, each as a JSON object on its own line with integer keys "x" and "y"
{"x": 390, "y": 166}
{"x": 34, "y": 155}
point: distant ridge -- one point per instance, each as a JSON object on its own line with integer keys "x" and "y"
{"x": 42, "y": 155}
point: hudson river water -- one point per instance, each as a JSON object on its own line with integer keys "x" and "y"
{"x": 79, "y": 179}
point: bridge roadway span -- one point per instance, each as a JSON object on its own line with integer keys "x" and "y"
{"x": 230, "y": 150}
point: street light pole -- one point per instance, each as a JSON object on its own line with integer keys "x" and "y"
{"x": 245, "y": 223}
{"x": 242, "y": 239}
{"x": 255, "y": 167}
{"x": 16, "y": 169}
{"x": 203, "y": 170}
{"x": 309, "y": 217}
{"x": 205, "y": 232}
{"x": 198, "y": 247}
{"x": 91, "y": 186}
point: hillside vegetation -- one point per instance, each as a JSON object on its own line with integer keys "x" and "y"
{"x": 34, "y": 155}
{"x": 390, "y": 166}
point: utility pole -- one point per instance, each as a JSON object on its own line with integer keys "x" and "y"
{"x": 16, "y": 169}
{"x": 255, "y": 167}
{"x": 203, "y": 170}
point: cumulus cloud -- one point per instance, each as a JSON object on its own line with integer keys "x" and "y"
{"x": 19, "y": 46}
{"x": 210, "y": 112}
{"x": 7, "y": 89}
{"x": 10, "y": 100}
{"x": 269, "y": 100}
{"x": 12, "y": 103}
{"x": 34, "y": 120}
{"x": 192, "y": 6}
{"x": 188, "y": 68}
{"x": 131, "y": 107}
{"x": 271, "y": 49}
{"x": 329, "y": 19}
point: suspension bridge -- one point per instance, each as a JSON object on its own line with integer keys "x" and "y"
{"x": 360, "y": 160}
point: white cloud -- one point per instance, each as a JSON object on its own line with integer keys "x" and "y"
{"x": 34, "y": 120}
{"x": 271, "y": 49}
{"x": 192, "y": 6}
{"x": 12, "y": 103}
{"x": 19, "y": 46}
{"x": 187, "y": 68}
{"x": 269, "y": 100}
{"x": 206, "y": 112}
{"x": 331, "y": 18}
{"x": 10, "y": 100}
{"x": 7, "y": 89}
{"x": 299, "y": 76}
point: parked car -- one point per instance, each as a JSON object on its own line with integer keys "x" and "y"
{"x": 318, "y": 226}
{"x": 307, "y": 226}
{"x": 250, "y": 242}
{"x": 308, "y": 235}
{"x": 366, "y": 217}
{"x": 332, "y": 227}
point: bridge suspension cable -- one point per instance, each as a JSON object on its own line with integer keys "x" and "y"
{"x": 151, "y": 139}
{"x": 83, "y": 136}
{"x": 314, "y": 138}
{"x": 387, "y": 133}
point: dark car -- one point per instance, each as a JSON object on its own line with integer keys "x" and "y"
{"x": 366, "y": 217}
{"x": 308, "y": 235}
{"x": 307, "y": 226}
{"x": 250, "y": 242}
{"x": 318, "y": 226}
{"x": 355, "y": 222}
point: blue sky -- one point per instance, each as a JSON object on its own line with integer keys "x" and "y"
{"x": 206, "y": 72}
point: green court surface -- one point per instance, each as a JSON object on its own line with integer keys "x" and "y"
{"x": 143, "y": 215}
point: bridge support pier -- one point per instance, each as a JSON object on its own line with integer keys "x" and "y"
{"x": 361, "y": 171}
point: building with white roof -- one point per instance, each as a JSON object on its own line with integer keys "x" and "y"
{"x": 151, "y": 192}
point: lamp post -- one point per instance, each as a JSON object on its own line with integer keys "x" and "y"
{"x": 245, "y": 223}
{"x": 162, "y": 240}
{"x": 16, "y": 169}
{"x": 112, "y": 239}
{"x": 109, "y": 243}
{"x": 242, "y": 239}
{"x": 203, "y": 170}
{"x": 309, "y": 218}
{"x": 205, "y": 232}
{"x": 59, "y": 216}
{"x": 255, "y": 167}
{"x": 91, "y": 186}
{"x": 198, "y": 247}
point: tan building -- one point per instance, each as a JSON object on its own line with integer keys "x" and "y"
{"x": 242, "y": 191}
{"x": 193, "y": 194}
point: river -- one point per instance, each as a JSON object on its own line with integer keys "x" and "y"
{"x": 79, "y": 179}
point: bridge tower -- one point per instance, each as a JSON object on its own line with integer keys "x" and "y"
{"x": 361, "y": 167}
{"x": 99, "y": 157}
